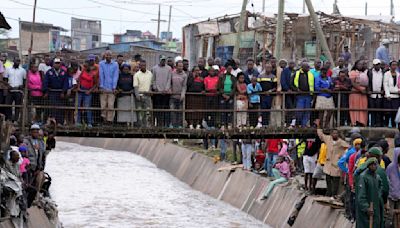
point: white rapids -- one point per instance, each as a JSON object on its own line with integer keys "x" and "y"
{"x": 103, "y": 188}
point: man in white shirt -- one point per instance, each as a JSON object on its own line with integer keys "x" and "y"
{"x": 142, "y": 82}
{"x": 15, "y": 76}
{"x": 375, "y": 86}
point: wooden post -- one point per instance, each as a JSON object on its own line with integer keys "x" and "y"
{"x": 371, "y": 217}
{"x": 279, "y": 30}
{"x": 318, "y": 30}
{"x": 25, "y": 100}
{"x": 239, "y": 32}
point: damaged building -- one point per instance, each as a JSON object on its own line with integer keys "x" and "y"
{"x": 217, "y": 37}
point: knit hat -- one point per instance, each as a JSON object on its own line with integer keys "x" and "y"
{"x": 357, "y": 141}
{"x": 375, "y": 151}
{"x": 22, "y": 148}
{"x": 370, "y": 161}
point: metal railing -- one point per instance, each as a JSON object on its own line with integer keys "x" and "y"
{"x": 190, "y": 111}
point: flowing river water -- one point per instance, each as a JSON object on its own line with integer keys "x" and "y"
{"x": 104, "y": 188}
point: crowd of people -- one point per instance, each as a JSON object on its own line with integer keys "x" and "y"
{"x": 357, "y": 171}
{"x": 208, "y": 93}
{"x": 23, "y": 166}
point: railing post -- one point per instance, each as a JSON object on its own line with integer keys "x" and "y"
{"x": 183, "y": 111}
{"x": 234, "y": 111}
{"x": 338, "y": 109}
{"x": 76, "y": 107}
{"x": 24, "y": 109}
{"x": 283, "y": 109}
{"x": 132, "y": 104}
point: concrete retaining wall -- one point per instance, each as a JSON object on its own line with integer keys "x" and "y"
{"x": 240, "y": 189}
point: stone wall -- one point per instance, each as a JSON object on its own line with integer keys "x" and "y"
{"x": 240, "y": 189}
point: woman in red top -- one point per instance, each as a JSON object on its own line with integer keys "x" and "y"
{"x": 86, "y": 85}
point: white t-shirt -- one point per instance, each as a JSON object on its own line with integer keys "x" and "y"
{"x": 44, "y": 68}
{"x": 16, "y": 76}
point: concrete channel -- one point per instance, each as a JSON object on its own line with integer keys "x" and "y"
{"x": 240, "y": 189}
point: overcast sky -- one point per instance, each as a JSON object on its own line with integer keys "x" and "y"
{"x": 119, "y": 15}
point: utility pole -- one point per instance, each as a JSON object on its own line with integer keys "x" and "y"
{"x": 263, "y": 6}
{"x": 239, "y": 32}
{"x": 25, "y": 101}
{"x": 391, "y": 8}
{"x": 318, "y": 29}
{"x": 366, "y": 8}
{"x": 158, "y": 21}
{"x": 304, "y": 6}
{"x": 169, "y": 18}
{"x": 19, "y": 41}
{"x": 279, "y": 30}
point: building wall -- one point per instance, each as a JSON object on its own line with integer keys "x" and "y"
{"x": 85, "y": 34}
{"x": 41, "y": 41}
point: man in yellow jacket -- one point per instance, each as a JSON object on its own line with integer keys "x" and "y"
{"x": 303, "y": 82}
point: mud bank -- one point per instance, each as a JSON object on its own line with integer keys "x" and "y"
{"x": 240, "y": 189}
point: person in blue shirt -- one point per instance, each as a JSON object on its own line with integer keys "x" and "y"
{"x": 344, "y": 160}
{"x": 250, "y": 72}
{"x": 382, "y": 52}
{"x": 53, "y": 89}
{"x": 287, "y": 77}
{"x": 316, "y": 71}
{"x": 254, "y": 100}
{"x": 108, "y": 79}
{"x": 323, "y": 85}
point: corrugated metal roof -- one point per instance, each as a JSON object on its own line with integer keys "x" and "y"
{"x": 3, "y": 22}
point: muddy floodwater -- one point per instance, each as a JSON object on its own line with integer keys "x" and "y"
{"x": 104, "y": 188}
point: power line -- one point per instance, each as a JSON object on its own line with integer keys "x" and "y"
{"x": 81, "y": 16}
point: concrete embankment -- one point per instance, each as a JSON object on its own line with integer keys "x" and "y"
{"x": 37, "y": 218}
{"x": 240, "y": 189}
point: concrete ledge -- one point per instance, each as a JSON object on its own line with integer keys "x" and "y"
{"x": 240, "y": 188}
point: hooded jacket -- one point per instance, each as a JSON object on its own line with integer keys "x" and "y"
{"x": 393, "y": 174}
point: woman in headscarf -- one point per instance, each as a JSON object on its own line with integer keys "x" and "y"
{"x": 358, "y": 98}
{"x": 126, "y": 100}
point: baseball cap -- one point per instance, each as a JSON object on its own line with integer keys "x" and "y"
{"x": 91, "y": 57}
{"x": 57, "y": 60}
{"x": 178, "y": 58}
{"x": 22, "y": 148}
{"x": 215, "y": 67}
{"x": 385, "y": 41}
{"x": 376, "y": 61}
{"x": 35, "y": 127}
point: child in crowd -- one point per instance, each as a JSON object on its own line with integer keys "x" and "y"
{"x": 253, "y": 89}
{"x": 25, "y": 162}
{"x": 281, "y": 173}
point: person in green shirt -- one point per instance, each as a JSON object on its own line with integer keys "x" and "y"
{"x": 226, "y": 89}
{"x": 369, "y": 200}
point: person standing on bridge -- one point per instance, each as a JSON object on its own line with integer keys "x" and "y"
{"x": 303, "y": 82}
{"x": 268, "y": 82}
{"x": 53, "y": 85}
{"x": 15, "y": 76}
{"x": 108, "y": 79}
{"x": 358, "y": 99}
{"x": 142, "y": 86}
{"x": 88, "y": 82}
{"x": 179, "y": 86}
{"x": 125, "y": 100}
{"x": 375, "y": 85}
{"x": 162, "y": 86}
{"x": 391, "y": 86}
